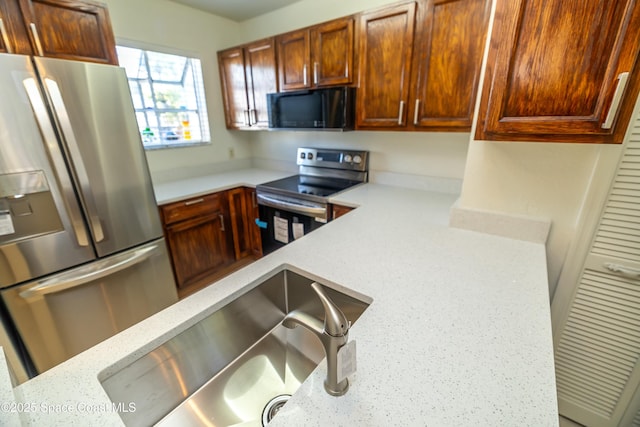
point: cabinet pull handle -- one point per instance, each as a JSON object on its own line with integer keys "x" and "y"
{"x": 36, "y": 37}
{"x": 415, "y": 113}
{"x": 304, "y": 74}
{"x": 193, "y": 202}
{"x": 5, "y": 37}
{"x": 315, "y": 73}
{"x": 617, "y": 98}
{"x": 221, "y": 222}
{"x": 631, "y": 273}
{"x": 400, "y": 112}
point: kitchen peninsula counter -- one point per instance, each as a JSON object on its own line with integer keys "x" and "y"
{"x": 458, "y": 333}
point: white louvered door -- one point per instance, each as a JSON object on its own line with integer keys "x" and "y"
{"x": 598, "y": 354}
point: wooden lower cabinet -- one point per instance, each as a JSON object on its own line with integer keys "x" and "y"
{"x": 197, "y": 237}
{"x": 198, "y": 247}
{"x": 338, "y": 210}
{"x": 211, "y": 236}
{"x": 242, "y": 213}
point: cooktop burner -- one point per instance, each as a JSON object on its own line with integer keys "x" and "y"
{"x": 311, "y": 185}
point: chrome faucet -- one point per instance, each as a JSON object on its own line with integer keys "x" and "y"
{"x": 333, "y": 334}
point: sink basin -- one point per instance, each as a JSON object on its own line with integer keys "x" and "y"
{"x": 237, "y": 366}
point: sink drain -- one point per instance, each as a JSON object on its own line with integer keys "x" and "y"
{"x": 272, "y": 407}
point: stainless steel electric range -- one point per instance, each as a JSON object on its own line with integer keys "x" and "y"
{"x": 294, "y": 206}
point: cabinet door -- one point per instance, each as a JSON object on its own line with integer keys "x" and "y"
{"x": 253, "y": 213}
{"x": 198, "y": 247}
{"x": 13, "y": 35}
{"x": 333, "y": 53}
{"x": 447, "y": 62}
{"x": 260, "y": 71}
{"x": 596, "y": 324}
{"x": 339, "y": 210}
{"x": 294, "y": 53}
{"x": 240, "y": 225}
{"x": 70, "y": 29}
{"x": 557, "y": 69}
{"x": 385, "y": 49}
{"x": 234, "y": 88}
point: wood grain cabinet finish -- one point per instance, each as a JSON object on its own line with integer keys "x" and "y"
{"x": 197, "y": 237}
{"x": 385, "y": 51}
{"x": 242, "y": 214}
{"x": 322, "y": 55}
{"x": 339, "y": 210}
{"x": 247, "y": 74}
{"x": 561, "y": 70}
{"x": 14, "y": 37}
{"x": 69, "y": 29}
{"x": 447, "y": 61}
{"x": 420, "y": 65}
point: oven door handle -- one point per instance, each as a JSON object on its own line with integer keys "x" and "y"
{"x": 317, "y": 212}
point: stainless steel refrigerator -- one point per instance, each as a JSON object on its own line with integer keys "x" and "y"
{"x": 82, "y": 254}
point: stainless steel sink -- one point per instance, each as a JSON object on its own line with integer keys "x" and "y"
{"x": 236, "y": 367}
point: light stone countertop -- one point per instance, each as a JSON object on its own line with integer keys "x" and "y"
{"x": 194, "y": 187}
{"x": 458, "y": 334}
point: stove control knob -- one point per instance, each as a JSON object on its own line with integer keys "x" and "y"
{"x": 310, "y": 156}
{"x": 303, "y": 155}
{"x": 357, "y": 159}
{"x": 347, "y": 158}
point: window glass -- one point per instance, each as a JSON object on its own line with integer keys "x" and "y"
{"x": 168, "y": 95}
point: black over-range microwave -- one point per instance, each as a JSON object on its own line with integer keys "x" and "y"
{"x": 329, "y": 109}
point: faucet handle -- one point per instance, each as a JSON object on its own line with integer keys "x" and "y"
{"x": 335, "y": 322}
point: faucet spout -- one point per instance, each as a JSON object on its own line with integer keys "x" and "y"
{"x": 333, "y": 334}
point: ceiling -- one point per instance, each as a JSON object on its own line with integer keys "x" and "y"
{"x": 237, "y": 10}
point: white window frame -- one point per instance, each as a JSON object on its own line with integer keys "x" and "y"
{"x": 167, "y": 137}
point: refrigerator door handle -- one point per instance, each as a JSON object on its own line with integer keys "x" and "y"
{"x": 89, "y": 273}
{"x": 72, "y": 145}
{"x": 51, "y": 144}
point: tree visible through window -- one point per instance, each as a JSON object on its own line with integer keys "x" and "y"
{"x": 168, "y": 96}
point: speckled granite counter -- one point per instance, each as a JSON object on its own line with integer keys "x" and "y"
{"x": 178, "y": 190}
{"x": 458, "y": 334}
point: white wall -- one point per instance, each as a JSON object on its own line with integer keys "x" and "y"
{"x": 541, "y": 180}
{"x": 172, "y": 27}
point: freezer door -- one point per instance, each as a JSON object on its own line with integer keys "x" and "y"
{"x": 42, "y": 229}
{"x": 94, "y": 113}
{"x": 62, "y": 315}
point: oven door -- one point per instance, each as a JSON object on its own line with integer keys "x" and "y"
{"x": 280, "y": 226}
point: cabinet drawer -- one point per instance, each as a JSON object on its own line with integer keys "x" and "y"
{"x": 190, "y": 208}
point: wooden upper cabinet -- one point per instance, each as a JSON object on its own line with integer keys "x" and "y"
{"x": 13, "y": 34}
{"x": 561, "y": 70}
{"x": 332, "y": 53}
{"x": 294, "y": 53}
{"x": 261, "y": 74}
{"x": 450, "y": 43}
{"x": 247, "y": 74}
{"x": 385, "y": 49}
{"x": 70, "y": 29}
{"x": 234, "y": 88}
{"x": 318, "y": 56}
